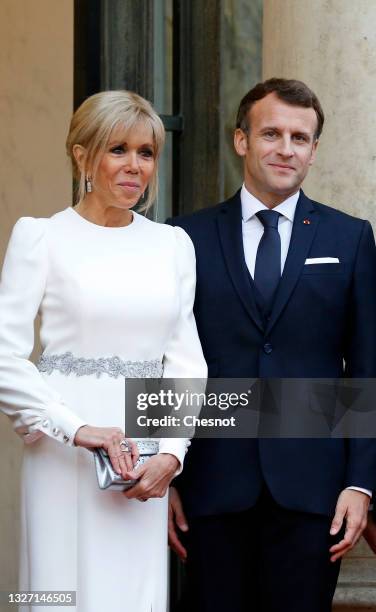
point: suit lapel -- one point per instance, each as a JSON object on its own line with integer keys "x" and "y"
{"x": 303, "y": 232}
{"x": 229, "y": 223}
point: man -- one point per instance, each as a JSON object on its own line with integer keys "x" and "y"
{"x": 286, "y": 287}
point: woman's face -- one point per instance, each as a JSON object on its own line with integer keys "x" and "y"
{"x": 126, "y": 167}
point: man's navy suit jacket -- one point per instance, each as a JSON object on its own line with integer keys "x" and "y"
{"x": 323, "y": 324}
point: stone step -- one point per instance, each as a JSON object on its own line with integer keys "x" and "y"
{"x": 356, "y": 589}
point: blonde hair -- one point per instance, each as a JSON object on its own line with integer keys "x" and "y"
{"x": 93, "y": 124}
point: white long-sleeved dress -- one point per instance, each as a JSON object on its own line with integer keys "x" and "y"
{"x": 102, "y": 293}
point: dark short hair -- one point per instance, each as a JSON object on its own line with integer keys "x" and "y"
{"x": 290, "y": 91}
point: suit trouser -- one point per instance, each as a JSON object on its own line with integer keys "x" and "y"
{"x": 265, "y": 559}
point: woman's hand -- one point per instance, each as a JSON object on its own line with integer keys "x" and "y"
{"x": 110, "y": 439}
{"x": 154, "y": 477}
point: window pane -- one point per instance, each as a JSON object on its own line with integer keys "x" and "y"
{"x": 241, "y": 65}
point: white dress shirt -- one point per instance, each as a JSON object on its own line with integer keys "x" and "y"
{"x": 253, "y": 229}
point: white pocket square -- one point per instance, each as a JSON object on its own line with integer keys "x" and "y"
{"x": 320, "y": 260}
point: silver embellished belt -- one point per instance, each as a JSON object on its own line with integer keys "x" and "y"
{"x": 112, "y": 366}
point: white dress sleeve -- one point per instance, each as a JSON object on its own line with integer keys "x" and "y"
{"x": 183, "y": 356}
{"x": 31, "y": 404}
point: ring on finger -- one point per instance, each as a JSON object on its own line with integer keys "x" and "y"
{"x": 125, "y": 446}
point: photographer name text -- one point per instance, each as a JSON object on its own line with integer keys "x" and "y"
{"x": 186, "y": 421}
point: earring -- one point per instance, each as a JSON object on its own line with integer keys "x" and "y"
{"x": 88, "y": 184}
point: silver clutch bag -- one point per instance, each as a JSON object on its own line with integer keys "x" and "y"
{"x": 106, "y": 475}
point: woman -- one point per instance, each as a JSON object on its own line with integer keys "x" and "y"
{"x": 115, "y": 293}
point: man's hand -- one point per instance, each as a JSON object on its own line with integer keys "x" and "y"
{"x": 370, "y": 532}
{"x": 176, "y": 516}
{"x": 352, "y": 506}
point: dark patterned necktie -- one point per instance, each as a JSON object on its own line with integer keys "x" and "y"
{"x": 268, "y": 258}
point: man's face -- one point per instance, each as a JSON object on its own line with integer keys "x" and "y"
{"x": 278, "y": 149}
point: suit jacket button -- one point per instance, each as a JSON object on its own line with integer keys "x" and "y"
{"x": 268, "y": 348}
{"x": 55, "y": 431}
{"x": 45, "y": 423}
{"x": 66, "y": 438}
